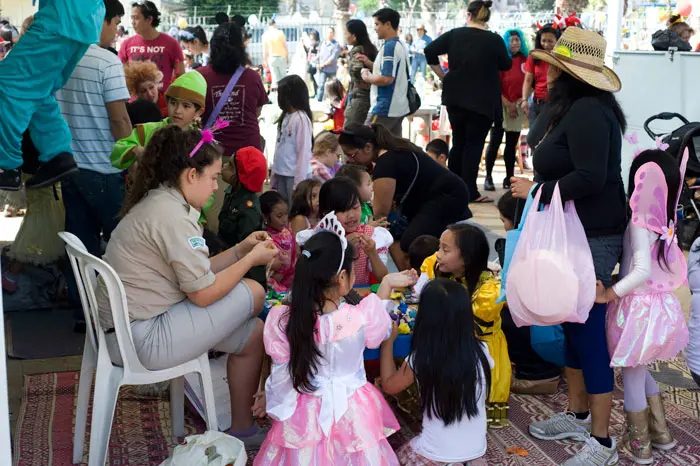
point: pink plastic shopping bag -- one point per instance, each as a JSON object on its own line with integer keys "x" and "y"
{"x": 552, "y": 277}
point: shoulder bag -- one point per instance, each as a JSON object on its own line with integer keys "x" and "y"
{"x": 398, "y": 223}
{"x": 414, "y": 101}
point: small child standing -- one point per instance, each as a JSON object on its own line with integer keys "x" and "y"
{"x": 438, "y": 150}
{"x": 304, "y": 213}
{"x": 325, "y": 156}
{"x": 337, "y": 101}
{"x": 292, "y": 162}
{"x": 316, "y": 344}
{"x": 358, "y": 175}
{"x": 241, "y": 215}
{"x": 276, "y": 217}
{"x": 452, "y": 395}
{"x": 645, "y": 320}
{"x": 463, "y": 256}
{"x": 371, "y": 243}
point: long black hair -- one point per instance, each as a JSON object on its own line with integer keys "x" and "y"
{"x": 337, "y": 195}
{"x": 474, "y": 248}
{"x": 381, "y": 137}
{"x": 567, "y": 90}
{"x": 196, "y": 32}
{"x": 546, "y": 29}
{"x": 292, "y": 93}
{"x": 451, "y": 388}
{"x": 227, "y": 49}
{"x": 357, "y": 28}
{"x": 315, "y": 273}
{"x": 672, "y": 173}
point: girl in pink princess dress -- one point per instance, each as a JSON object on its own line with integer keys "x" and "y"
{"x": 275, "y": 214}
{"x": 323, "y": 409}
{"x": 645, "y": 320}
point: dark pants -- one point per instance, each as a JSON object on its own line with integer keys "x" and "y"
{"x": 509, "y": 154}
{"x": 322, "y": 77}
{"x": 92, "y": 201}
{"x": 528, "y": 364}
{"x": 696, "y": 377}
{"x": 586, "y": 346}
{"x": 469, "y": 130}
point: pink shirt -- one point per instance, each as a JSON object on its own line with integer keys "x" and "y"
{"x": 164, "y": 51}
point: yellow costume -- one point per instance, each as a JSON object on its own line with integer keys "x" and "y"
{"x": 487, "y": 315}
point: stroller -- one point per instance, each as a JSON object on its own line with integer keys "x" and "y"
{"x": 687, "y": 135}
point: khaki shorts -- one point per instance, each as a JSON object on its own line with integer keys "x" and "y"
{"x": 186, "y": 331}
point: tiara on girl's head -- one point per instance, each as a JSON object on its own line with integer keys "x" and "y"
{"x": 208, "y": 135}
{"x": 329, "y": 223}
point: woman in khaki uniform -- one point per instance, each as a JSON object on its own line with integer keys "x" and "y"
{"x": 181, "y": 302}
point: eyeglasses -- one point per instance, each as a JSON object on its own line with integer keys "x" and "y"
{"x": 352, "y": 155}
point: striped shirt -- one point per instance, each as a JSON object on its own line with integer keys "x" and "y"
{"x": 97, "y": 80}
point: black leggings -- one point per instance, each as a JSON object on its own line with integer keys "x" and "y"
{"x": 510, "y": 153}
{"x": 469, "y": 130}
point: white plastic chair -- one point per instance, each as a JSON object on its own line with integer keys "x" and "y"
{"x": 110, "y": 377}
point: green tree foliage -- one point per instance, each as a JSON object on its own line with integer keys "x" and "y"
{"x": 238, "y": 7}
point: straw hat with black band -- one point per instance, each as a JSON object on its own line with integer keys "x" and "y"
{"x": 581, "y": 54}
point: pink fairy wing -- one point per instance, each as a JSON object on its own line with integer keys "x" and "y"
{"x": 671, "y": 275}
{"x": 648, "y": 202}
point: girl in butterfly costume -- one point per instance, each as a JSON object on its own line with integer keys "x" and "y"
{"x": 645, "y": 320}
{"x": 41, "y": 63}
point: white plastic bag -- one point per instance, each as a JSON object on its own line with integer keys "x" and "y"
{"x": 208, "y": 449}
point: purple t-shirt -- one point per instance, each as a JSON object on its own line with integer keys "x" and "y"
{"x": 241, "y": 109}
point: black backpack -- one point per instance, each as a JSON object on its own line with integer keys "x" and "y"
{"x": 664, "y": 39}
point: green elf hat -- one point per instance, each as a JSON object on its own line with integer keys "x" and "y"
{"x": 191, "y": 87}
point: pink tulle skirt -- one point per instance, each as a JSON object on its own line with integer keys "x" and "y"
{"x": 357, "y": 439}
{"x": 643, "y": 328}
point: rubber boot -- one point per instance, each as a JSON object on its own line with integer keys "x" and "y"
{"x": 637, "y": 440}
{"x": 661, "y": 437}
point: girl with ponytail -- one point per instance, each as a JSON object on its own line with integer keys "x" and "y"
{"x": 324, "y": 410}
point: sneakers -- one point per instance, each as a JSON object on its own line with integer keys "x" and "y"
{"x": 52, "y": 171}
{"x": 488, "y": 184}
{"x": 10, "y": 180}
{"x": 594, "y": 454}
{"x": 561, "y": 426}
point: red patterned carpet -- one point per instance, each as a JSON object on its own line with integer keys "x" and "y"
{"x": 141, "y": 430}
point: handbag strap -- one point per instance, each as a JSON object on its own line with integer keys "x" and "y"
{"x": 408, "y": 191}
{"x": 224, "y": 97}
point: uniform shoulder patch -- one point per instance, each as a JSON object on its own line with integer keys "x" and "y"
{"x": 197, "y": 242}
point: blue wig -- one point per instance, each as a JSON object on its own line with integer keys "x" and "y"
{"x": 523, "y": 45}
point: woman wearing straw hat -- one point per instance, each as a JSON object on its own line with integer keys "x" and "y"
{"x": 577, "y": 141}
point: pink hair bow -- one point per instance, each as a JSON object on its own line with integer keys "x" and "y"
{"x": 208, "y": 135}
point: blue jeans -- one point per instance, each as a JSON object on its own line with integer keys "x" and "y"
{"x": 92, "y": 201}
{"x": 323, "y": 76}
{"x": 419, "y": 65}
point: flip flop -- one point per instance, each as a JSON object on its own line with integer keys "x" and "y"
{"x": 482, "y": 200}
